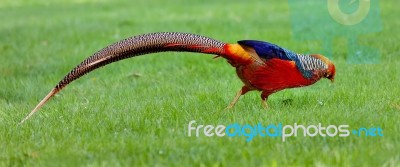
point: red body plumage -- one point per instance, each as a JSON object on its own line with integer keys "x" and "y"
{"x": 269, "y": 75}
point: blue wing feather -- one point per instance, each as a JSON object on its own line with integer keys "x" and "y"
{"x": 269, "y": 51}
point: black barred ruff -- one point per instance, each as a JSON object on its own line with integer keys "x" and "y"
{"x": 311, "y": 63}
{"x": 307, "y": 64}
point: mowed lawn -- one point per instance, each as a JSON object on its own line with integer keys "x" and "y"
{"x": 136, "y": 112}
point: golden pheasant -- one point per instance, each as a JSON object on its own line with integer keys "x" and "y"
{"x": 261, "y": 66}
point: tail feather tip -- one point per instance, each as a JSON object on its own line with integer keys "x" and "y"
{"x": 41, "y": 103}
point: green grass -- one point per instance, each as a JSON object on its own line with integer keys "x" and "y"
{"x": 112, "y": 118}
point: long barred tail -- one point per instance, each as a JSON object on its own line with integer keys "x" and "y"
{"x": 134, "y": 46}
{"x": 144, "y": 44}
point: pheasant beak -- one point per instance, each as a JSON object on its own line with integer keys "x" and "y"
{"x": 330, "y": 77}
